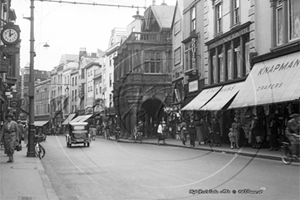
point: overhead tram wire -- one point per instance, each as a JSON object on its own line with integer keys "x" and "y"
{"x": 92, "y": 4}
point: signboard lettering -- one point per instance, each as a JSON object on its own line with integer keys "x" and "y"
{"x": 229, "y": 38}
{"x": 194, "y": 49}
{"x": 193, "y": 86}
{"x": 11, "y": 50}
{"x": 279, "y": 67}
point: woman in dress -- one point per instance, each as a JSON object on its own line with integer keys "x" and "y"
{"x": 10, "y": 134}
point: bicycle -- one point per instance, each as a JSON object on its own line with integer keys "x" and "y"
{"x": 38, "y": 148}
{"x": 287, "y": 156}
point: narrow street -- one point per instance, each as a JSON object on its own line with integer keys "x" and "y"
{"x": 110, "y": 170}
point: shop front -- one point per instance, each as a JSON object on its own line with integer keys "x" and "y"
{"x": 271, "y": 92}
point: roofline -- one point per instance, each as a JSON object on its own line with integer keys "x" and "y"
{"x": 174, "y": 15}
{"x": 92, "y": 64}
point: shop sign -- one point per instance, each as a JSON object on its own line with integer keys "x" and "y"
{"x": 193, "y": 86}
{"x": 14, "y": 103}
{"x": 194, "y": 51}
{"x": 10, "y": 50}
{"x": 230, "y": 37}
{"x": 3, "y": 69}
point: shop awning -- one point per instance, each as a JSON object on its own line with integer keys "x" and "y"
{"x": 202, "y": 98}
{"x": 70, "y": 117}
{"x": 40, "y": 123}
{"x": 272, "y": 81}
{"x": 223, "y": 96}
{"x": 84, "y": 118}
{"x": 80, "y": 118}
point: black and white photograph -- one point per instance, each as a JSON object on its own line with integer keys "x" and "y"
{"x": 149, "y": 99}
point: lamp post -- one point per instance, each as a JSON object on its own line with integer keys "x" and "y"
{"x": 30, "y": 148}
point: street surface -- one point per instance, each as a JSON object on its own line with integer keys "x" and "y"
{"x": 110, "y": 170}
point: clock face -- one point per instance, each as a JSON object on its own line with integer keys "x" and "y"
{"x": 10, "y": 35}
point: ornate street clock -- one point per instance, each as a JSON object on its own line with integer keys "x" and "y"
{"x": 10, "y": 34}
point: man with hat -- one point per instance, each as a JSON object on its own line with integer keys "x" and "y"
{"x": 292, "y": 131}
{"x": 10, "y": 134}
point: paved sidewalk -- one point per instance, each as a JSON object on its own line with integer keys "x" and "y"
{"x": 244, "y": 151}
{"x": 25, "y": 179}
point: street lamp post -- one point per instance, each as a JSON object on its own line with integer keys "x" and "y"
{"x": 30, "y": 148}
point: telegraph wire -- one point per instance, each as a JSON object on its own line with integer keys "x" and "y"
{"x": 92, "y": 4}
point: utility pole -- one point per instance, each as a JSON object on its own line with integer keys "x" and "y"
{"x": 30, "y": 148}
{"x": 31, "y": 133}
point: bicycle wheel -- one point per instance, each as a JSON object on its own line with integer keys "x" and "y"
{"x": 286, "y": 155}
{"x": 42, "y": 152}
{"x": 37, "y": 150}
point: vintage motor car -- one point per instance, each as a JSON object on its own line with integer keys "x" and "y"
{"x": 78, "y": 134}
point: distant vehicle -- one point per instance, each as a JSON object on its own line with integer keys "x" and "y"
{"x": 78, "y": 134}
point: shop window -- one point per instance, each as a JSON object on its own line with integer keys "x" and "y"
{"x": 152, "y": 62}
{"x": 110, "y": 80}
{"x": 193, "y": 18}
{"x": 177, "y": 27}
{"x": 218, "y": 18}
{"x": 177, "y": 56}
{"x": 294, "y": 19}
{"x": 235, "y": 12}
{"x": 279, "y": 23}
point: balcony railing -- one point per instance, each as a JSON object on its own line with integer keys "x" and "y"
{"x": 150, "y": 36}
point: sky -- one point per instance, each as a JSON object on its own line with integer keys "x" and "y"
{"x": 68, "y": 27}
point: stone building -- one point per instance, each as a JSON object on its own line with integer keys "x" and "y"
{"x": 142, "y": 73}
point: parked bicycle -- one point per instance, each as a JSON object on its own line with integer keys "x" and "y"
{"x": 38, "y": 148}
{"x": 287, "y": 156}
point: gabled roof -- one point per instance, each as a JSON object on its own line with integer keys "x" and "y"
{"x": 164, "y": 15}
{"x": 66, "y": 58}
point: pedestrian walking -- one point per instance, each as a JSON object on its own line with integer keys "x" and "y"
{"x": 216, "y": 132}
{"x": 192, "y": 132}
{"x": 236, "y": 130}
{"x": 255, "y": 138}
{"x": 10, "y": 135}
{"x": 274, "y": 126}
{"x": 21, "y": 131}
{"x": 93, "y": 132}
{"x": 161, "y": 132}
{"x": 199, "y": 130}
{"x": 205, "y": 126}
{"x": 231, "y": 138}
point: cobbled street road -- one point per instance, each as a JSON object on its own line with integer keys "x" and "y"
{"x": 110, "y": 170}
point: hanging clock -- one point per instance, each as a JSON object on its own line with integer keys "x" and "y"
{"x": 10, "y": 35}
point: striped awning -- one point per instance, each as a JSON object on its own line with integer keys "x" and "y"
{"x": 40, "y": 123}
{"x": 70, "y": 117}
{"x": 272, "y": 81}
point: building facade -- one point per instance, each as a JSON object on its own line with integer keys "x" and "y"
{"x": 90, "y": 71}
{"x": 85, "y": 59}
{"x": 117, "y": 36}
{"x": 9, "y": 67}
{"x": 74, "y": 91}
{"x": 42, "y": 100}
{"x": 142, "y": 72}
{"x": 39, "y": 75}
